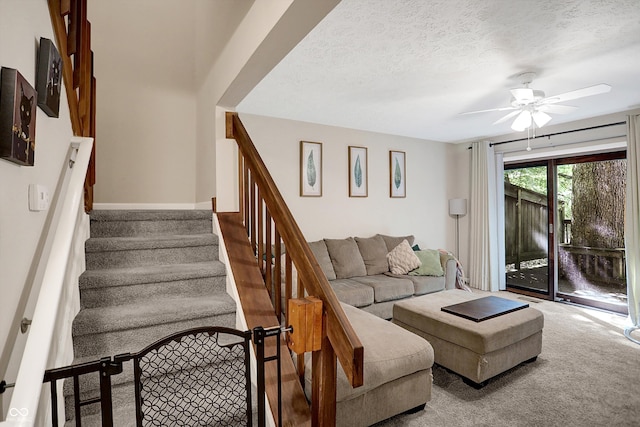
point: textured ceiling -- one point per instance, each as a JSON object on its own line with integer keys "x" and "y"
{"x": 410, "y": 67}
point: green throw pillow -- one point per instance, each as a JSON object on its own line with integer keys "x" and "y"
{"x": 430, "y": 266}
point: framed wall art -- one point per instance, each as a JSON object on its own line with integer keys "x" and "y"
{"x": 310, "y": 169}
{"x": 397, "y": 174}
{"x": 49, "y": 78}
{"x": 17, "y": 118}
{"x": 358, "y": 170}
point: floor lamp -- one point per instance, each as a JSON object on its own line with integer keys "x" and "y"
{"x": 457, "y": 208}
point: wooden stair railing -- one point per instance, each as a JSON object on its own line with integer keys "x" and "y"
{"x": 269, "y": 224}
{"x": 73, "y": 38}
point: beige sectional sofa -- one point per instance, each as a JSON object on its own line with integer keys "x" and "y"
{"x": 358, "y": 271}
{"x": 397, "y": 363}
{"x": 397, "y": 373}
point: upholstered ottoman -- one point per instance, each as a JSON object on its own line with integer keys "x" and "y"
{"x": 397, "y": 372}
{"x": 475, "y": 350}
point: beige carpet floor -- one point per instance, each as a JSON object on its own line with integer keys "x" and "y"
{"x": 588, "y": 374}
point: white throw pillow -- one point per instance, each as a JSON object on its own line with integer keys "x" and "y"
{"x": 402, "y": 259}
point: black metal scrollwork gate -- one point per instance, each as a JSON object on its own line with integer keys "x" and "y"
{"x": 197, "y": 377}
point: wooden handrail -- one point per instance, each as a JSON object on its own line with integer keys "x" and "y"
{"x": 73, "y": 37}
{"x": 340, "y": 339}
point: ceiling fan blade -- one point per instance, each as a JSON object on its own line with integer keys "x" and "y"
{"x": 522, "y": 122}
{"x": 486, "y": 111}
{"x": 541, "y": 118}
{"x": 575, "y": 94}
{"x": 507, "y": 117}
{"x": 523, "y": 94}
{"x": 557, "y": 109}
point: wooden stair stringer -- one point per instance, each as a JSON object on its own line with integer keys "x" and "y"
{"x": 258, "y": 311}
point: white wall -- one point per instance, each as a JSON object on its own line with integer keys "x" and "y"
{"x": 22, "y": 23}
{"x": 146, "y": 100}
{"x": 268, "y": 31}
{"x": 162, "y": 67}
{"x": 336, "y": 215}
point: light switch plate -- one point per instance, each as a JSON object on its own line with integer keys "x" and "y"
{"x": 38, "y": 198}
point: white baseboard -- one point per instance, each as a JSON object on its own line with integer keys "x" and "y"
{"x": 204, "y": 205}
{"x": 152, "y": 206}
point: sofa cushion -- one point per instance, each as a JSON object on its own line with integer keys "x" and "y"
{"x": 402, "y": 259}
{"x": 386, "y": 288}
{"x": 430, "y": 263}
{"x": 393, "y": 241}
{"x": 345, "y": 257}
{"x": 374, "y": 254}
{"x": 427, "y": 284}
{"x": 319, "y": 249}
{"x": 353, "y": 293}
{"x": 390, "y": 352}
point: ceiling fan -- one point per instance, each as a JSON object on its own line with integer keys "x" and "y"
{"x": 531, "y": 106}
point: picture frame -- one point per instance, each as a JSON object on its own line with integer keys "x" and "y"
{"x": 18, "y": 100}
{"x": 310, "y": 169}
{"x": 358, "y": 172}
{"x": 397, "y": 174}
{"x": 49, "y": 78}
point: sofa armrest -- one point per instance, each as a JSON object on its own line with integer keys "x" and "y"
{"x": 450, "y": 272}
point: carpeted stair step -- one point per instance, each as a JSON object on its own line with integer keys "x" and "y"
{"x": 148, "y": 274}
{"x": 124, "y": 413}
{"x": 100, "y": 288}
{"x": 120, "y": 223}
{"x": 122, "y": 401}
{"x": 120, "y": 252}
{"x": 107, "y": 331}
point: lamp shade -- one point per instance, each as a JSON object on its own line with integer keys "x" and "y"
{"x": 522, "y": 122}
{"x": 457, "y": 206}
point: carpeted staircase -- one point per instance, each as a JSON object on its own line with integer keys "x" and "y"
{"x": 148, "y": 274}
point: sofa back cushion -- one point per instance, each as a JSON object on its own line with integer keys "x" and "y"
{"x": 393, "y": 241}
{"x": 345, "y": 257}
{"x": 430, "y": 263}
{"x": 374, "y": 254}
{"x": 319, "y": 249}
{"x": 402, "y": 259}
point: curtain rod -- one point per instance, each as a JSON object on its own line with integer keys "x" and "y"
{"x": 558, "y": 133}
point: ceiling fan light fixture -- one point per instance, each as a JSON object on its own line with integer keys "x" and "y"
{"x": 525, "y": 96}
{"x": 522, "y": 122}
{"x": 541, "y": 118}
{"x": 531, "y": 107}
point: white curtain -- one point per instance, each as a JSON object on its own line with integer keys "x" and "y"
{"x": 499, "y": 185}
{"x": 484, "y": 261}
{"x": 632, "y": 222}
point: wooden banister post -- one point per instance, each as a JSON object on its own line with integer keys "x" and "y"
{"x": 228, "y": 118}
{"x": 323, "y": 393}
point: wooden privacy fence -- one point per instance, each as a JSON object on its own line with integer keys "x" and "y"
{"x": 526, "y": 229}
{"x": 599, "y": 264}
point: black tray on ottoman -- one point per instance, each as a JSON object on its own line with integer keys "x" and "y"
{"x": 484, "y": 308}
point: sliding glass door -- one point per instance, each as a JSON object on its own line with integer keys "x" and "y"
{"x": 564, "y": 229}
{"x": 527, "y": 219}
{"x": 591, "y": 255}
